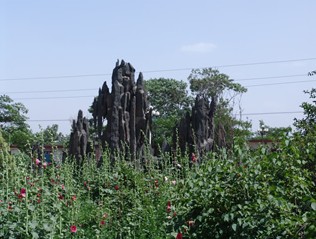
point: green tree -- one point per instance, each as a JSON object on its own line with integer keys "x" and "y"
{"x": 221, "y": 90}
{"x": 212, "y": 84}
{"x": 272, "y": 133}
{"x": 169, "y": 99}
{"x": 305, "y": 134}
{"x": 13, "y": 118}
{"x": 307, "y": 125}
{"x": 50, "y": 135}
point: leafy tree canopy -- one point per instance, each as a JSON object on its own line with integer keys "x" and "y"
{"x": 50, "y": 135}
{"x": 211, "y": 83}
{"x": 13, "y": 118}
{"x": 308, "y": 123}
{"x": 12, "y": 114}
{"x": 168, "y": 96}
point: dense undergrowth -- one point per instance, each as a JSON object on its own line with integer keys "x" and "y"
{"x": 236, "y": 194}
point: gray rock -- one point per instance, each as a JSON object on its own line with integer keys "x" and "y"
{"x": 125, "y": 110}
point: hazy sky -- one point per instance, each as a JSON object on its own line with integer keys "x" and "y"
{"x": 48, "y": 38}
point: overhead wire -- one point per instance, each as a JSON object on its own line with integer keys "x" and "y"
{"x": 237, "y": 80}
{"x": 163, "y": 70}
{"x": 151, "y": 71}
{"x": 243, "y": 114}
{"x": 92, "y": 96}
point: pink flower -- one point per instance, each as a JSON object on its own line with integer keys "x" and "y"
{"x": 44, "y": 165}
{"x": 190, "y": 223}
{"x": 23, "y": 192}
{"x": 74, "y": 198}
{"x": 179, "y": 236}
{"x": 63, "y": 187}
{"x": 73, "y": 229}
{"x": 105, "y": 215}
{"x": 168, "y": 206}
{"x": 193, "y": 157}
{"x": 37, "y": 161}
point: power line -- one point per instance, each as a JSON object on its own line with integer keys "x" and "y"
{"x": 271, "y": 77}
{"x": 163, "y": 70}
{"x": 92, "y": 96}
{"x": 243, "y": 114}
{"x": 53, "y": 77}
{"x": 55, "y": 97}
{"x": 274, "y": 113}
{"x": 48, "y": 91}
{"x": 47, "y": 120}
{"x": 281, "y": 83}
{"x": 237, "y": 80}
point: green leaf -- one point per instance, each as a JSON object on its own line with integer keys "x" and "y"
{"x": 234, "y": 226}
{"x": 33, "y": 224}
{"x": 31, "y": 207}
{"x": 35, "y": 235}
{"x": 313, "y": 205}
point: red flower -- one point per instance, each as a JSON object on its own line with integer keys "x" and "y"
{"x": 156, "y": 183}
{"x": 73, "y": 229}
{"x": 193, "y": 158}
{"x": 60, "y": 196}
{"x": 22, "y": 193}
{"x": 116, "y": 187}
{"x": 179, "y": 236}
{"x": 168, "y": 206}
{"x": 102, "y": 223}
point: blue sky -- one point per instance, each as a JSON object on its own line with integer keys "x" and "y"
{"x": 74, "y": 37}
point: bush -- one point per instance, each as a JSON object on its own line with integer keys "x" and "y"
{"x": 235, "y": 194}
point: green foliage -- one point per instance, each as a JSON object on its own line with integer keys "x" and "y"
{"x": 305, "y": 135}
{"x": 12, "y": 114}
{"x": 271, "y": 133}
{"x": 211, "y": 83}
{"x": 249, "y": 195}
{"x": 232, "y": 194}
{"x": 50, "y": 135}
{"x": 169, "y": 99}
{"x": 13, "y": 118}
{"x": 168, "y": 96}
{"x": 307, "y": 125}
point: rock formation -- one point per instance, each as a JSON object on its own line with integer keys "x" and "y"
{"x": 195, "y": 131}
{"x": 78, "y": 146}
{"x": 122, "y": 118}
